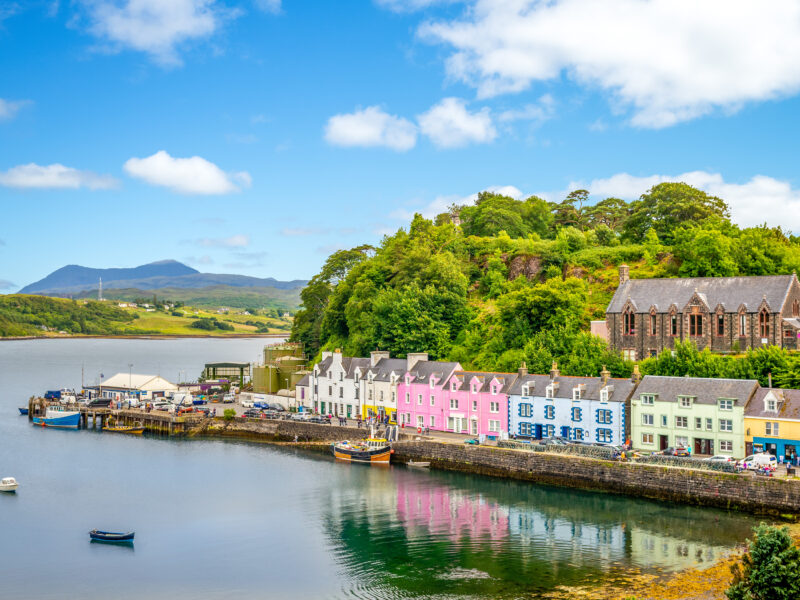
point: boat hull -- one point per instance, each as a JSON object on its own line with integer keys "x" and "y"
{"x": 378, "y": 456}
{"x": 9, "y": 488}
{"x": 23, "y": 411}
{"x": 68, "y": 421}
{"x": 126, "y": 430}
{"x": 110, "y": 536}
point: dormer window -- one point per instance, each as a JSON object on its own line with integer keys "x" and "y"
{"x": 341, "y": 376}
{"x": 772, "y": 405}
{"x": 648, "y": 399}
{"x": 725, "y": 404}
{"x": 685, "y": 401}
{"x": 453, "y": 386}
{"x": 408, "y": 380}
{"x": 525, "y": 390}
{"x": 356, "y": 377}
{"x": 494, "y": 390}
{"x": 432, "y": 382}
{"x": 576, "y": 393}
{"x": 474, "y": 389}
{"x": 604, "y": 395}
{"x": 550, "y": 392}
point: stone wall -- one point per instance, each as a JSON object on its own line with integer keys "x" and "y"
{"x": 725, "y": 490}
{"x": 281, "y": 431}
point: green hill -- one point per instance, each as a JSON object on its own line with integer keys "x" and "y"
{"x": 520, "y": 280}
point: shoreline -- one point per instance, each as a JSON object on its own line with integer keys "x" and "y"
{"x": 149, "y": 336}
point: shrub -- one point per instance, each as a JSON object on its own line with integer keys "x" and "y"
{"x": 229, "y": 414}
{"x": 771, "y": 568}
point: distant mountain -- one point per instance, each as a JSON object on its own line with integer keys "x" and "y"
{"x": 74, "y": 279}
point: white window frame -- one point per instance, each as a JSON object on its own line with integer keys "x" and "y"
{"x": 726, "y": 446}
{"x": 725, "y": 404}
{"x": 709, "y": 424}
{"x": 682, "y": 440}
{"x": 474, "y": 406}
{"x": 685, "y": 401}
{"x": 648, "y": 399}
{"x": 726, "y": 425}
{"x": 648, "y": 419}
{"x": 433, "y": 421}
{"x": 681, "y": 419}
{"x": 772, "y": 405}
{"x": 647, "y": 439}
{"x": 453, "y": 405}
{"x": 494, "y": 426}
{"x": 549, "y": 392}
{"x": 433, "y": 400}
{"x": 494, "y": 407}
{"x": 604, "y": 395}
{"x": 420, "y": 421}
{"x": 419, "y": 399}
{"x": 576, "y": 393}
{"x": 408, "y": 397}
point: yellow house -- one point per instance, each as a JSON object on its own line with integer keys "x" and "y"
{"x": 772, "y": 423}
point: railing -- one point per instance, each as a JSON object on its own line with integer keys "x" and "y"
{"x": 602, "y": 452}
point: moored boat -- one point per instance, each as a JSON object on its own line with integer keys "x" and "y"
{"x": 58, "y": 417}
{"x": 372, "y": 450}
{"x": 418, "y": 464}
{"x": 8, "y": 484}
{"x": 129, "y": 429}
{"x": 23, "y": 411}
{"x": 111, "y": 536}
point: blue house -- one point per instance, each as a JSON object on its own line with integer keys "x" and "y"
{"x": 587, "y": 409}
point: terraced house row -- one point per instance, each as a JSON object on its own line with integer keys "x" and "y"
{"x": 709, "y": 416}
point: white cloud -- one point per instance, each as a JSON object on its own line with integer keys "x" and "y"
{"x": 270, "y": 6}
{"x": 440, "y": 204}
{"x": 402, "y": 6}
{"x": 193, "y": 175}
{"x": 156, "y": 27}
{"x": 55, "y": 176}
{"x": 752, "y": 203}
{"x": 5, "y": 284}
{"x": 539, "y": 112}
{"x": 371, "y": 127}
{"x": 234, "y": 241}
{"x": 450, "y": 125}
{"x": 667, "y": 60}
{"x": 10, "y": 108}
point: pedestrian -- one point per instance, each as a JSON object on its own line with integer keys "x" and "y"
{"x": 780, "y": 459}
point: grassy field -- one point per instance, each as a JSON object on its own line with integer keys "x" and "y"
{"x": 165, "y": 323}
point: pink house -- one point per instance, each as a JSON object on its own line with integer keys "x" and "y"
{"x": 421, "y": 398}
{"x": 477, "y": 403}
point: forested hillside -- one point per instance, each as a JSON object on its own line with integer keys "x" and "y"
{"x": 502, "y": 281}
{"x": 23, "y": 315}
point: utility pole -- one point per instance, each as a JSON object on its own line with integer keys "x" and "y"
{"x": 130, "y": 377}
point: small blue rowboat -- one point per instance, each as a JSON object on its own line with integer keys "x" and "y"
{"x": 23, "y": 411}
{"x": 111, "y": 536}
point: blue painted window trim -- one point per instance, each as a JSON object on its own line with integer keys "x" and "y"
{"x": 549, "y": 412}
{"x": 577, "y": 414}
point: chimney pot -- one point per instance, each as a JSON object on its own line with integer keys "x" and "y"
{"x": 624, "y": 274}
{"x": 523, "y": 369}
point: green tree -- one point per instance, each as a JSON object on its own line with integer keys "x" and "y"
{"x": 704, "y": 252}
{"x": 770, "y": 569}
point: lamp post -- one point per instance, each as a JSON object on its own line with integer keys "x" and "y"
{"x": 130, "y": 377}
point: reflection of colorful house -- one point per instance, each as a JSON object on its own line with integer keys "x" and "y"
{"x": 772, "y": 422}
{"x": 421, "y": 399}
{"x": 476, "y": 403}
{"x": 590, "y": 409}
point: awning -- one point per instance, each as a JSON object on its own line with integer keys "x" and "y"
{"x": 793, "y": 322}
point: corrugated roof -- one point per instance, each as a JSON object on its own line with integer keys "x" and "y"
{"x": 730, "y": 292}
{"x": 703, "y": 390}
{"x": 788, "y": 407}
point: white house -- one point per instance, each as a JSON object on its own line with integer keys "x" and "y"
{"x": 143, "y": 387}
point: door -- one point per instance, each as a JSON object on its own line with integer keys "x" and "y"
{"x": 349, "y": 410}
{"x": 473, "y": 427}
{"x": 663, "y": 442}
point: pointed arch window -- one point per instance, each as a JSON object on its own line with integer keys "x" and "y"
{"x": 653, "y": 322}
{"x": 628, "y": 322}
{"x": 763, "y": 323}
{"x": 673, "y": 324}
{"x": 696, "y": 325}
{"x": 720, "y": 323}
{"x": 796, "y": 308}
{"x": 742, "y": 324}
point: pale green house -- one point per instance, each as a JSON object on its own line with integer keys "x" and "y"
{"x": 704, "y": 415}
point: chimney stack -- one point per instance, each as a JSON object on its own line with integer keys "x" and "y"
{"x": 624, "y": 273}
{"x": 769, "y": 379}
{"x": 523, "y": 369}
{"x": 604, "y": 375}
{"x": 636, "y": 376}
{"x": 412, "y": 358}
{"x": 554, "y": 372}
{"x": 377, "y": 355}
{"x": 337, "y": 357}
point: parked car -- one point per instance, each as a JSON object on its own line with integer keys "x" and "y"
{"x": 553, "y": 441}
{"x": 247, "y": 404}
{"x": 99, "y": 403}
{"x": 163, "y": 406}
{"x": 320, "y": 419}
{"x": 719, "y": 458}
{"x": 276, "y": 407}
{"x": 758, "y": 461}
{"x": 675, "y": 451}
{"x": 472, "y": 441}
{"x": 229, "y": 398}
{"x": 252, "y": 413}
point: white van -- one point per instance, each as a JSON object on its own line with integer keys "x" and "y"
{"x": 759, "y": 461}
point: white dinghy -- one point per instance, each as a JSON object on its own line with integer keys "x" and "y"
{"x": 8, "y": 484}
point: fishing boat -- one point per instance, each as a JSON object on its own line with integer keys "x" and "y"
{"x": 23, "y": 411}
{"x": 8, "y": 484}
{"x": 57, "y": 416}
{"x": 372, "y": 450}
{"x": 111, "y": 536}
{"x": 129, "y": 429}
{"x": 418, "y": 464}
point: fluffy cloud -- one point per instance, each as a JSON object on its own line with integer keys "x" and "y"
{"x": 193, "y": 175}
{"x": 371, "y": 127}
{"x": 440, "y": 204}
{"x": 5, "y": 284}
{"x": 270, "y": 6}
{"x": 10, "y": 108}
{"x": 760, "y": 199}
{"x": 55, "y": 176}
{"x": 667, "y": 60}
{"x": 538, "y": 112}
{"x": 450, "y": 125}
{"x": 156, "y": 27}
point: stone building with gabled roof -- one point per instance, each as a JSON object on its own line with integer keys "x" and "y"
{"x": 646, "y": 316}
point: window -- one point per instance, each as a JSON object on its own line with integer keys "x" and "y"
{"x": 603, "y": 416}
{"x": 647, "y": 439}
{"x": 341, "y": 376}
{"x": 433, "y": 383}
{"x": 648, "y": 400}
{"x": 330, "y": 390}
{"x": 628, "y": 323}
{"x": 742, "y": 325}
{"x": 433, "y": 421}
{"x": 408, "y": 398}
{"x": 604, "y": 436}
{"x": 709, "y": 424}
{"x": 726, "y": 424}
{"x": 726, "y": 446}
{"x": 604, "y": 395}
{"x": 698, "y": 423}
{"x": 685, "y": 401}
{"x": 369, "y": 395}
{"x": 474, "y": 389}
{"x": 771, "y": 428}
{"x": 772, "y": 406}
{"x": 576, "y": 434}
{"x": 433, "y": 400}
{"x": 341, "y": 392}
{"x": 629, "y": 354}
{"x": 696, "y": 325}
{"x": 380, "y": 396}
{"x": 673, "y": 324}
{"x": 720, "y": 324}
{"x": 725, "y": 404}
{"x": 494, "y": 407}
{"x": 652, "y": 324}
{"x": 356, "y": 377}
{"x": 494, "y": 390}
{"x": 548, "y": 430}
{"x": 549, "y": 392}
{"x": 576, "y": 393}
{"x": 494, "y": 426}
{"x": 682, "y": 422}
{"x": 474, "y": 406}
{"x": 526, "y": 429}
{"x": 663, "y": 420}
{"x": 647, "y": 419}
{"x": 394, "y": 397}
{"x": 549, "y": 412}
{"x": 681, "y": 440}
{"x": 420, "y": 421}
{"x": 419, "y": 399}
{"x": 451, "y": 423}
{"x": 453, "y": 403}
{"x": 356, "y": 395}
{"x": 453, "y": 386}
{"x": 796, "y": 308}
{"x": 525, "y": 390}
{"x": 525, "y": 410}
{"x": 302, "y": 393}
{"x": 577, "y": 414}
{"x": 763, "y": 323}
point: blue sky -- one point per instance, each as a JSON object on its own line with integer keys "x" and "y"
{"x": 257, "y": 136}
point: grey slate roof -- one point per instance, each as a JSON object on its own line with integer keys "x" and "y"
{"x": 324, "y": 365}
{"x": 704, "y": 390}
{"x": 384, "y": 368}
{"x": 355, "y": 363}
{"x": 303, "y": 382}
{"x": 730, "y": 292}
{"x": 424, "y": 369}
{"x": 464, "y": 378}
{"x": 621, "y": 389}
{"x": 788, "y": 407}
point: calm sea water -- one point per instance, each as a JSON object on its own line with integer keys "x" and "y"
{"x": 234, "y": 520}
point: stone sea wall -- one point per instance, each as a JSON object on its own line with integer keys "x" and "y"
{"x": 755, "y": 494}
{"x": 280, "y": 431}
